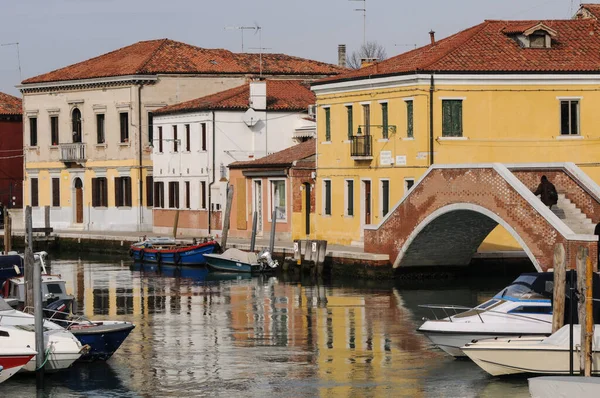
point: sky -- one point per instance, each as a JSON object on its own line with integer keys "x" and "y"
{"x": 57, "y": 33}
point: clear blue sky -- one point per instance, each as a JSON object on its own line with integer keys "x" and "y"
{"x": 57, "y": 33}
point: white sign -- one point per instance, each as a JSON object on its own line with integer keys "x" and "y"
{"x": 385, "y": 158}
{"x": 314, "y": 247}
{"x": 295, "y": 246}
{"x": 422, "y": 155}
{"x": 401, "y": 160}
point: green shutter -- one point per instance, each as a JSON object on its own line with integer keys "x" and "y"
{"x": 350, "y": 122}
{"x": 409, "y": 119}
{"x": 452, "y": 118}
{"x": 384, "y": 117}
{"x": 327, "y": 124}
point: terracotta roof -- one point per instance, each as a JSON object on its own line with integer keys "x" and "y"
{"x": 10, "y": 105}
{"x": 285, "y": 157}
{"x": 282, "y": 95}
{"x": 168, "y": 56}
{"x": 491, "y": 48}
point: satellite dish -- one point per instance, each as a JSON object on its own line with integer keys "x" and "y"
{"x": 250, "y": 117}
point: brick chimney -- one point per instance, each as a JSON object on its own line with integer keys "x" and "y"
{"x": 367, "y": 62}
{"x": 342, "y": 55}
{"x": 432, "y": 36}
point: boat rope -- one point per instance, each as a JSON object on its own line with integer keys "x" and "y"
{"x": 47, "y": 355}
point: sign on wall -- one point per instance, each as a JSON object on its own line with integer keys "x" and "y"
{"x": 385, "y": 158}
{"x": 401, "y": 160}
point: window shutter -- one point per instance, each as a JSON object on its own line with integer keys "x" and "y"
{"x": 56, "y": 192}
{"x": 104, "y": 184}
{"x": 34, "y": 192}
{"x": 327, "y": 124}
{"x": 384, "y": 117}
{"x": 350, "y": 197}
{"x": 149, "y": 191}
{"x": 350, "y": 123}
{"x": 385, "y": 188}
{"x": 409, "y": 119}
{"x": 446, "y": 118}
{"x": 118, "y": 197}
{"x": 127, "y": 191}
{"x": 328, "y": 197}
{"x": 94, "y": 192}
{"x": 457, "y": 118}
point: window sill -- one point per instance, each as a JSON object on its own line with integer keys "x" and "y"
{"x": 452, "y": 138}
{"x": 326, "y": 143}
{"x": 186, "y": 151}
{"x": 101, "y": 145}
{"x": 123, "y": 144}
{"x": 347, "y": 141}
{"x": 570, "y": 137}
{"x": 408, "y": 139}
{"x": 100, "y": 207}
{"x": 348, "y": 216}
{"x": 54, "y": 147}
{"x": 123, "y": 207}
{"x": 33, "y": 148}
{"x": 383, "y": 140}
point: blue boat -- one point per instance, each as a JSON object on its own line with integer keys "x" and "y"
{"x": 9, "y": 265}
{"x": 172, "y": 253}
{"x": 239, "y": 261}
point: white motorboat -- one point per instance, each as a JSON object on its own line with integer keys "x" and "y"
{"x": 62, "y": 348}
{"x": 524, "y": 308}
{"x": 14, "y": 354}
{"x": 548, "y": 355}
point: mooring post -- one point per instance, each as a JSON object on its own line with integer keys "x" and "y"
{"x": 47, "y": 220}
{"x": 254, "y": 226}
{"x": 175, "y": 223}
{"x": 589, "y": 317}
{"x": 227, "y": 215}
{"x": 39, "y": 322}
{"x": 28, "y": 260}
{"x": 571, "y": 312}
{"x": 558, "y": 298}
{"x": 273, "y": 225}
{"x": 581, "y": 261}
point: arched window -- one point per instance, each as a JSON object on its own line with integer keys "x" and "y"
{"x": 76, "y": 123}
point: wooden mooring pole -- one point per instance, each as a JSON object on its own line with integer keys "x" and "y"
{"x": 28, "y": 260}
{"x": 558, "y": 305}
{"x": 227, "y": 216}
{"x": 581, "y": 260}
{"x": 254, "y": 226}
{"x": 175, "y": 223}
{"x": 589, "y": 318}
{"x": 273, "y": 228}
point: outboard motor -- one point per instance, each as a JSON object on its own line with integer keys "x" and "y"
{"x": 58, "y": 310}
{"x": 265, "y": 257}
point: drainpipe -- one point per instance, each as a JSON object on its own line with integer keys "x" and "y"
{"x": 431, "y": 90}
{"x": 141, "y": 181}
{"x": 213, "y": 173}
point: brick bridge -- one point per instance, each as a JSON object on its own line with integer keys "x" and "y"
{"x": 448, "y": 213}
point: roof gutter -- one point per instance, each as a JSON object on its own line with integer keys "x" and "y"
{"x": 99, "y": 80}
{"x": 431, "y": 91}
{"x": 140, "y": 159}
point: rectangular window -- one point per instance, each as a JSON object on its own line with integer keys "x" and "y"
{"x": 99, "y": 192}
{"x": 350, "y": 197}
{"x": 409, "y": 119}
{"x": 408, "y": 184}
{"x": 327, "y": 124}
{"x": 187, "y": 138}
{"x": 56, "y": 192}
{"x": 160, "y": 140}
{"x": 278, "y": 199}
{"x": 203, "y": 194}
{"x": 350, "y": 122}
{"x": 385, "y": 197}
{"x": 452, "y": 118}
{"x": 149, "y": 191}
{"x": 150, "y": 128}
{"x": 175, "y": 139}
{"x": 327, "y": 197}
{"x": 100, "y": 136}
{"x": 54, "y": 130}
{"x": 124, "y": 120}
{"x": 203, "y": 127}
{"x": 122, "y": 191}
{"x": 367, "y": 118}
{"x": 187, "y": 195}
{"x": 34, "y": 192}
{"x": 159, "y": 195}
{"x": 569, "y": 117}
{"x": 173, "y": 195}
{"x": 384, "y": 120}
{"x": 33, "y": 131}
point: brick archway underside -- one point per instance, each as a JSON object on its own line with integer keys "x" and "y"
{"x": 450, "y": 239}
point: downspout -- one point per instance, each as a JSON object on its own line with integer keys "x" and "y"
{"x": 431, "y": 91}
{"x": 213, "y": 173}
{"x": 141, "y": 180}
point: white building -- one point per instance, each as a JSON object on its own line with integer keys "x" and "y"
{"x": 198, "y": 139}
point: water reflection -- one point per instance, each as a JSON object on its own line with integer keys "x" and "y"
{"x": 199, "y": 333}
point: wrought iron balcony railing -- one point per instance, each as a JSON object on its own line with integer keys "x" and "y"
{"x": 362, "y": 146}
{"x": 72, "y": 152}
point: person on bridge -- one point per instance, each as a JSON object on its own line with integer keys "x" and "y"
{"x": 547, "y": 192}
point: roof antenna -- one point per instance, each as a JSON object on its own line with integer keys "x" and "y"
{"x": 242, "y": 29}
{"x": 18, "y": 57}
{"x": 260, "y": 48}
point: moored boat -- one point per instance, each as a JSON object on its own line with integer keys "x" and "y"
{"x": 239, "y": 261}
{"x": 163, "y": 251}
{"x": 14, "y": 354}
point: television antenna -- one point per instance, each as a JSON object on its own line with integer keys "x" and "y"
{"x": 414, "y": 46}
{"x": 16, "y": 44}
{"x": 255, "y": 28}
{"x": 364, "y": 11}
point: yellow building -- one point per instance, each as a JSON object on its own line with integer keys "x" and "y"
{"x": 501, "y": 91}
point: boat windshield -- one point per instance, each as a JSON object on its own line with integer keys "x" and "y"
{"x": 4, "y": 305}
{"x": 525, "y": 287}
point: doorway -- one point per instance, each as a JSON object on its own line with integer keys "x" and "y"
{"x": 257, "y": 202}
{"x": 307, "y": 208}
{"x": 78, "y": 201}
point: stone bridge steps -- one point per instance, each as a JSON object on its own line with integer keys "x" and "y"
{"x": 572, "y": 216}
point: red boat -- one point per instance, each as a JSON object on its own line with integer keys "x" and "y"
{"x": 13, "y": 355}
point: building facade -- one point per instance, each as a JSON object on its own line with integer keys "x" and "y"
{"x": 88, "y": 127}
{"x": 198, "y": 139}
{"x": 11, "y": 151}
{"x": 501, "y": 91}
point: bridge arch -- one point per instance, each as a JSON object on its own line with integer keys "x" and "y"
{"x": 434, "y": 235}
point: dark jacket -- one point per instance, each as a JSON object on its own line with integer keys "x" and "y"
{"x": 548, "y": 193}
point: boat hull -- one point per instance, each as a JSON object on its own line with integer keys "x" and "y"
{"x": 190, "y": 255}
{"x": 220, "y": 264}
{"x": 103, "y": 339}
{"x": 11, "y": 364}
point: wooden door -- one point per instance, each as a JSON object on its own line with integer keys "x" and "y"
{"x": 367, "y": 202}
{"x": 78, "y": 201}
{"x": 307, "y": 208}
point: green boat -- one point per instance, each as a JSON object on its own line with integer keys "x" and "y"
{"x": 239, "y": 261}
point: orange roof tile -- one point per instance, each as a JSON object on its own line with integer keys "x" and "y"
{"x": 166, "y": 56}
{"x": 285, "y": 157}
{"x": 10, "y": 105}
{"x": 491, "y": 48}
{"x": 282, "y": 95}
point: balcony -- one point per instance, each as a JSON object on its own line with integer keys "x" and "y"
{"x": 362, "y": 147}
{"x": 72, "y": 153}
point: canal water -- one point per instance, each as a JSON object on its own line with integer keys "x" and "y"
{"x": 203, "y": 334}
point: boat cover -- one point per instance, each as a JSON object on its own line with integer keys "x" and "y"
{"x": 240, "y": 255}
{"x": 561, "y": 337}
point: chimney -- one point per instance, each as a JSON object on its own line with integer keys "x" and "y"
{"x": 367, "y": 62}
{"x": 342, "y": 55}
{"x": 258, "y": 95}
{"x": 432, "y": 36}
